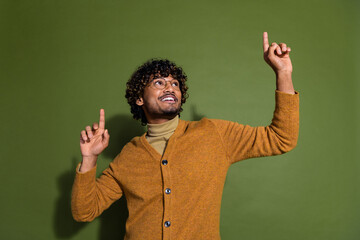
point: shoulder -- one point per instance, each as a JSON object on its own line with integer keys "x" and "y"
{"x": 196, "y": 124}
{"x": 206, "y": 124}
{"x": 132, "y": 146}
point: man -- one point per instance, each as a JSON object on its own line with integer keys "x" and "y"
{"x": 173, "y": 175}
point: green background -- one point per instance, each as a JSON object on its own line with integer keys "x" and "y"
{"x": 61, "y": 61}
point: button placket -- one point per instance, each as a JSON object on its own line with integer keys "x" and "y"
{"x": 165, "y": 168}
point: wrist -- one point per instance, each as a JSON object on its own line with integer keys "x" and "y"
{"x": 88, "y": 162}
{"x": 284, "y": 73}
{"x": 89, "y": 158}
{"x": 284, "y": 82}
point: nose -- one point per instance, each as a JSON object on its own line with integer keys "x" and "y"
{"x": 168, "y": 87}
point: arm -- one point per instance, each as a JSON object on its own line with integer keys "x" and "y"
{"x": 242, "y": 141}
{"x": 91, "y": 196}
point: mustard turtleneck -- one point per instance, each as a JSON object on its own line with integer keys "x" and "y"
{"x": 158, "y": 134}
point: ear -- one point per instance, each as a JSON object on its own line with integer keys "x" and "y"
{"x": 140, "y": 101}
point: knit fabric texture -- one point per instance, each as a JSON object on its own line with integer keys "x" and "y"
{"x": 177, "y": 195}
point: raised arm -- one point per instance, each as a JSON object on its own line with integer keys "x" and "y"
{"x": 91, "y": 196}
{"x": 243, "y": 141}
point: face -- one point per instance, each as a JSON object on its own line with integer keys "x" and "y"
{"x": 161, "y": 100}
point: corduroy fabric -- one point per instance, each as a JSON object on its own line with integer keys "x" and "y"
{"x": 198, "y": 155}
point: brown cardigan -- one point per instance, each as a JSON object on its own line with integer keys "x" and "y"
{"x": 178, "y": 195}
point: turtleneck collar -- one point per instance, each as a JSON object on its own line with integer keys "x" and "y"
{"x": 162, "y": 129}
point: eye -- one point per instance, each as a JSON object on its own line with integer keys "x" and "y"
{"x": 159, "y": 82}
{"x": 175, "y": 83}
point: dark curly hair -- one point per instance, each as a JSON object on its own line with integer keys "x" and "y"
{"x": 141, "y": 77}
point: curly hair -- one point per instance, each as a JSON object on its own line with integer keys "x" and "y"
{"x": 141, "y": 77}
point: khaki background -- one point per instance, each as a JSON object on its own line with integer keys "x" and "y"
{"x": 61, "y": 61}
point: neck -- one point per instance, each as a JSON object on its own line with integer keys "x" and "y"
{"x": 161, "y": 120}
{"x": 168, "y": 127}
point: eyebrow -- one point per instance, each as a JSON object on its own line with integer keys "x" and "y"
{"x": 164, "y": 79}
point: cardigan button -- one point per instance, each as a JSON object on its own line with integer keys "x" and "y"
{"x": 168, "y": 191}
{"x": 164, "y": 162}
{"x": 167, "y": 224}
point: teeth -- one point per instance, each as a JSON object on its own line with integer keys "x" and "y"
{"x": 168, "y": 99}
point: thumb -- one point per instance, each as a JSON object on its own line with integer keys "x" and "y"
{"x": 106, "y": 136}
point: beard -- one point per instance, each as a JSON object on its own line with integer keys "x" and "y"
{"x": 168, "y": 112}
{"x": 155, "y": 109}
{"x": 171, "y": 111}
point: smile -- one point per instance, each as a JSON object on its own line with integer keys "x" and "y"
{"x": 168, "y": 98}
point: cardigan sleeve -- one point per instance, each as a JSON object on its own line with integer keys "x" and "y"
{"x": 242, "y": 141}
{"x": 91, "y": 196}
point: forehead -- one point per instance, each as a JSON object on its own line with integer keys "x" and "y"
{"x": 158, "y": 76}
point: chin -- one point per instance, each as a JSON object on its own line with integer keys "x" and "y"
{"x": 171, "y": 112}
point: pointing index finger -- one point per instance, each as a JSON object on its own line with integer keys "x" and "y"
{"x": 265, "y": 41}
{"x": 102, "y": 119}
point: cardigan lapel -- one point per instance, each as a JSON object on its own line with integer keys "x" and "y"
{"x": 169, "y": 146}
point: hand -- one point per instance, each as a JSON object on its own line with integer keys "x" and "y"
{"x": 94, "y": 141}
{"x": 277, "y": 56}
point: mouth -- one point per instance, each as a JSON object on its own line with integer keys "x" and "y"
{"x": 168, "y": 98}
